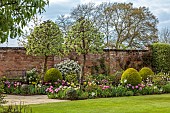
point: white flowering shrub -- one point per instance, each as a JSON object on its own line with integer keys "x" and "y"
{"x": 67, "y": 67}
{"x": 31, "y": 76}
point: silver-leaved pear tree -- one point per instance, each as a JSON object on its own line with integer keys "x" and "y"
{"x": 84, "y": 38}
{"x": 15, "y": 14}
{"x": 45, "y": 40}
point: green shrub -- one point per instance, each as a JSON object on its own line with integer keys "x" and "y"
{"x": 129, "y": 93}
{"x": 2, "y": 101}
{"x": 117, "y": 77}
{"x": 118, "y": 91}
{"x": 71, "y": 77}
{"x": 160, "y": 79}
{"x": 52, "y": 75}
{"x": 145, "y": 72}
{"x": 166, "y": 88}
{"x": 82, "y": 94}
{"x": 161, "y": 57}
{"x": 131, "y": 76}
{"x": 25, "y": 89}
{"x": 72, "y": 94}
{"x": 148, "y": 90}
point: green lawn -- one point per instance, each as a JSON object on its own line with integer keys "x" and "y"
{"x": 133, "y": 104}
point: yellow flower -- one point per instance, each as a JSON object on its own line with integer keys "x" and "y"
{"x": 72, "y": 84}
{"x": 85, "y": 83}
{"x": 33, "y": 83}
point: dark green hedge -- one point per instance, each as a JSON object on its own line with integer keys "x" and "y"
{"x": 160, "y": 57}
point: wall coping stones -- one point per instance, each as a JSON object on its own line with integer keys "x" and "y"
{"x": 121, "y": 50}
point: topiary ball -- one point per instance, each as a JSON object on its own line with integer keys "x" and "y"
{"x": 131, "y": 76}
{"x": 52, "y": 75}
{"x": 145, "y": 72}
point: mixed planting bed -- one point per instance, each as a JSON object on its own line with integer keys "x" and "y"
{"x": 62, "y": 82}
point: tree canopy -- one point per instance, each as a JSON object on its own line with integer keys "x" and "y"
{"x": 84, "y": 38}
{"x": 45, "y": 40}
{"x": 133, "y": 27}
{"x": 15, "y": 14}
{"x": 164, "y": 35}
{"x": 123, "y": 25}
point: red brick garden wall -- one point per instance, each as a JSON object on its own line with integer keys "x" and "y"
{"x": 14, "y": 61}
{"x": 119, "y": 59}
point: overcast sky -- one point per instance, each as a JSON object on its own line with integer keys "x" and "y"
{"x": 160, "y": 8}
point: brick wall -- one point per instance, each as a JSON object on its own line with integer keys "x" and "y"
{"x": 119, "y": 59}
{"x": 14, "y": 61}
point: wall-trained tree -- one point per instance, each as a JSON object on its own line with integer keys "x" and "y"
{"x": 15, "y": 14}
{"x": 45, "y": 40}
{"x": 84, "y": 38}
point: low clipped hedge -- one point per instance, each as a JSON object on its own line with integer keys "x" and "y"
{"x": 161, "y": 57}
{"x": 131, "y": 76}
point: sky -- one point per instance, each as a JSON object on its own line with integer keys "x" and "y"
{"x": 160, "y": 8}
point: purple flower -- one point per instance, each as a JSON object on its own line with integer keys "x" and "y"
{"x": 59, "y": 80}
{"x": 18, "y": 83}
{"x": 57, "y": 89}
{"x": 55, "y": 82}
{"x": 7, "y": 82}
{"x": 9, "y": 86}
{"x": 51, "y": 91}
{"x": 140, "y": 88}
{"x": 47, "y": 89}
{"x": 15, "y": 85}
{"x": 46, "y": 83}
{"x": 104, "y": 81}
{"x": 142, "y": 85}
{"x": 105, "y": 87}
{"x": 136, "y": 87}
{"x": 133, "y": 87}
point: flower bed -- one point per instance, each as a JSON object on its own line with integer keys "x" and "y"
{"x": 94, "y": 86}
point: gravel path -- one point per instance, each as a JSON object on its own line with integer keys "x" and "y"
{"x": 34, "y": 99}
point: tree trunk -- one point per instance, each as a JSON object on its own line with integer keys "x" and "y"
{"x": 83, "y": 68}
{"x": 44, "y": 67}
{"x": 107, "y": 37}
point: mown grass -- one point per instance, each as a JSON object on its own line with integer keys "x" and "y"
{"x": 133, "y": 104}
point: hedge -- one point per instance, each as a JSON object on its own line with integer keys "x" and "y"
{"x": 160, "y": 57}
